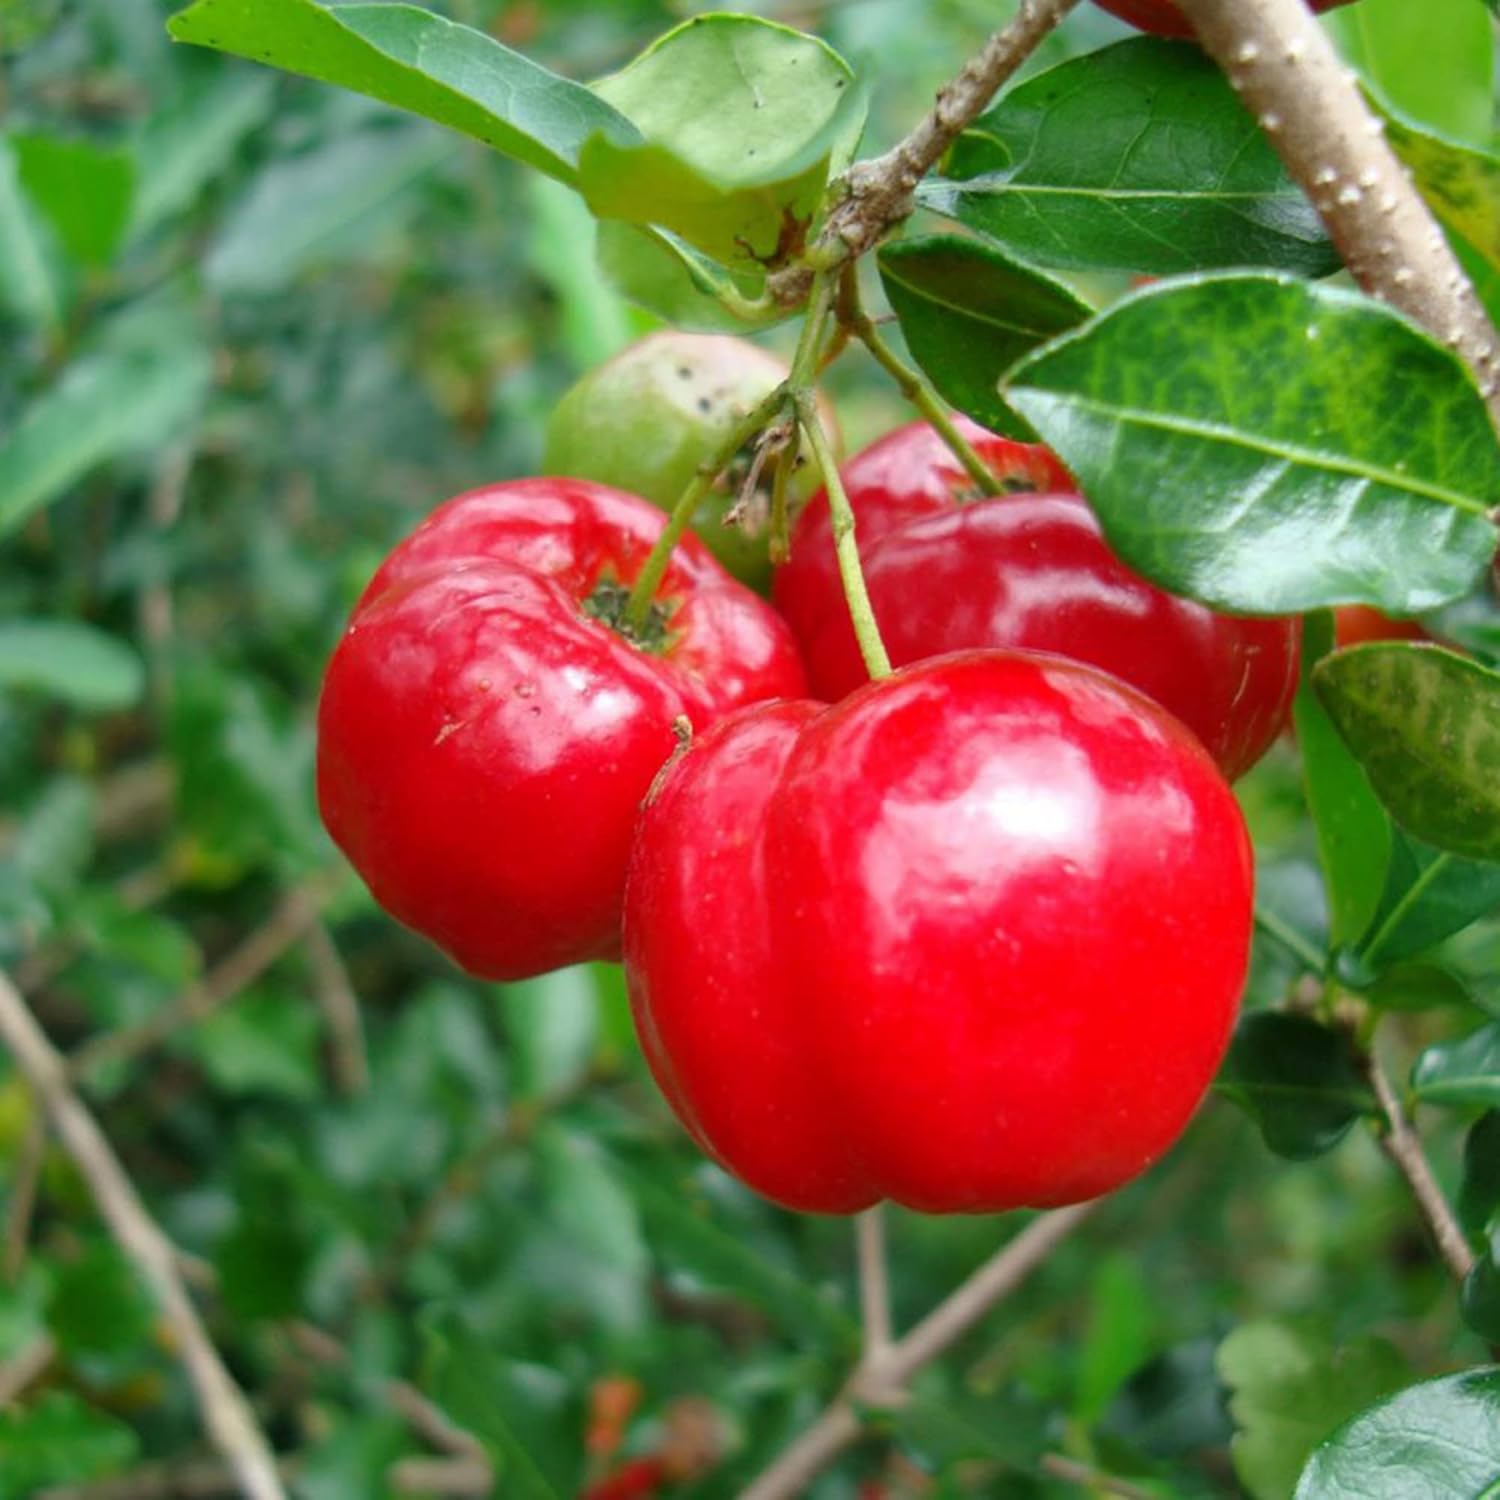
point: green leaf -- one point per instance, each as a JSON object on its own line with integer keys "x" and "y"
{"x": 72, "y": 661}
{"x": 265, "y": 1043}
{"x": 84, "y": 190}
{"x": 419, "y": 62}
{"x": 56, "y": 840}
{"x": 552, "y": 1023}
{"x": 1297, "y": 1079}
{"x": 740, "y": 119}
{"x": 1290, "y": 1389}
{"x": 1462, "y": 1072}
{"x": 1479, "y": 1300}
{"x": 587, "y": 1199}
{"x": 1172, "y": 1405}
{"x": 126, "y": 396}
{"x": 1425, "y": 724}
{"x": 968, "y": 313}
{"x": 1435, "y": 65}
{"x": 28, "y": 288}
{"x": 1139, "y": 157}
{"x": 1428, "y": 896}
{"x": 57, "y": 1440}
{"x": 319, "y": 207}
{"x": 954, "y": 1427}
{"x": 97, "y": 1305}
{"x": 663, "y": 274}
{"x": 1460, "y": 183}
{"x": 1264, "y": 445}
{"x": 1417, "y": 987}
{"x": 1478, "y": 1200}
{"x": 186, "y": 148}
{"x": 1354, "y": 834}
{"x": 1432, "y": 1441}
{"x": 1119, "y": 1333}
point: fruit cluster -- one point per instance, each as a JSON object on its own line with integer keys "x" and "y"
{"x": 968, "y": 937}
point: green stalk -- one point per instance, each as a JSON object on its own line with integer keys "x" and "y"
{"x": 861, "y": 613}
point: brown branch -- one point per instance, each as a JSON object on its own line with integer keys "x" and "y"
{"x": 204, "y": 1479}
{"x": 874, "y": 1282}
{"x": 883, "y": 1383}
{"x": 226, "y": 1413}
{"x": 459, "y": 1477}
{"x": 340, "y": 1007}
{"x": 1309, "y": 105}
{"x": 879, "y": 193}
{"x": 1072, "y": 1472}
{"x": 1404, "y": 1147}
{"x": 290, "y": 921}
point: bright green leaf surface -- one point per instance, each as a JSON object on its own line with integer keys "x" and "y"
{"x": 1460, "y": 183}
{"x": 1138, "y": 156}
{"x": 740, "y": 118}
{"x": 84, "y": 191}
{"x": 1434, "y": 62}
{"x": 1354, "y": 834}
{"x": 72, "y": 661}
{"x": 968, "y": 313}
{"x": 1425, "y": 724}
{"x": 1463, "y": 1072}
{"x": 27, "y": 286}
{"x": 57, "y": 1439}
{"x": 1289, "y": 1389}
{"x": 1265, "y": 445}
{"x": 419, "y": 62}
{"x": 1433, "y": 1441}
{"x": 1297, "y": 1079}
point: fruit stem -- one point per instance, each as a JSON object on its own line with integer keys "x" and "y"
{"x": 934, "y": 410}
{"x": 861, "y": 612}
{"x": 653, "y": 570}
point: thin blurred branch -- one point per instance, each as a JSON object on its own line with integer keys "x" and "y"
{"x": 341, "y": 1014}
{"x": 22, "y": 1202}
{"x": 31, "y": 1363}
{"x": 154, "y": 606}
{"x": 292, "y": 919}
{"x": 885, "y": 1384}
{"x": 1404, "y": 1147}
{"x": 1087, "y": 1478}
{"x": 874, "y": 1282}
{"x": 226, "y": 1413}
{"x": 203, "y": 1479}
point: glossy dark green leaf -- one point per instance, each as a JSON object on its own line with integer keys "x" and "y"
{"x": 968, "y": 313}
{"x": 1418, "y": 987}
{"x": 1429, "y": 895}
{"x": 70, "y": 661}
{"x": 1433, "y": 1441}
{"x": 1478, "y": 1200}
{"x": 1265, "y": 445}
{"x": 740, "y": 119}
{"x": 84, "y": 190}
{"x": 1425, "y": 724}
{"x": 57, "y": 1439}
{"x": 1297, "y": 1079}
{"x": 420, "y": 62}
{"x": 1354, "y": 833}
{"x": 1462, "y": 1072}
{"x": 1289, "y": 1388}
{"x": 1479, "y": 1300}
{"x": 28, "y": 285}
{"x": 1461, "y": 184}
{"x": 1137, "y": 156}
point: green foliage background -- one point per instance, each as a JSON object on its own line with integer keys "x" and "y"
{"x": 253, "y": 328}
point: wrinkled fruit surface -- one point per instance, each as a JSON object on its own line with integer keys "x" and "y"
{"x": 1163, "y": 18}
{"x": 484, "y": 741}
{"x": 947, "y": 570}
{"x": 645, "y": 420}
{"x": 971, "y": 939}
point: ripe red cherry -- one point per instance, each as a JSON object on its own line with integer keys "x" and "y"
{"x": 485, "y": 737}
{"x": 1356, "y": 624}
{"x": 1163, "y": 18}
{"x": 971, "y": 939}
{"x": 947, "y": 571}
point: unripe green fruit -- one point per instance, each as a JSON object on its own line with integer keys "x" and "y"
{"x": 646, "y": 419}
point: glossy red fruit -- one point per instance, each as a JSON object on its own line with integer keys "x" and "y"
{"x": 948, "y": 570}
{"x": 971, "y": 939}
{"x": 1163, "y": 18}
{"x": 485, "y": 738}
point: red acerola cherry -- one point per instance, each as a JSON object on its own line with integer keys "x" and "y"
{"x": 1356, "y": 624}
{"x": 947, "y": 570}
{"x": 485, "y": 736}
{"x": 1163, "y": 18}
{"x": 971, "y": 939}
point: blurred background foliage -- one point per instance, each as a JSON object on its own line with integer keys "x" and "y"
{"x": 252, "y": 329}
